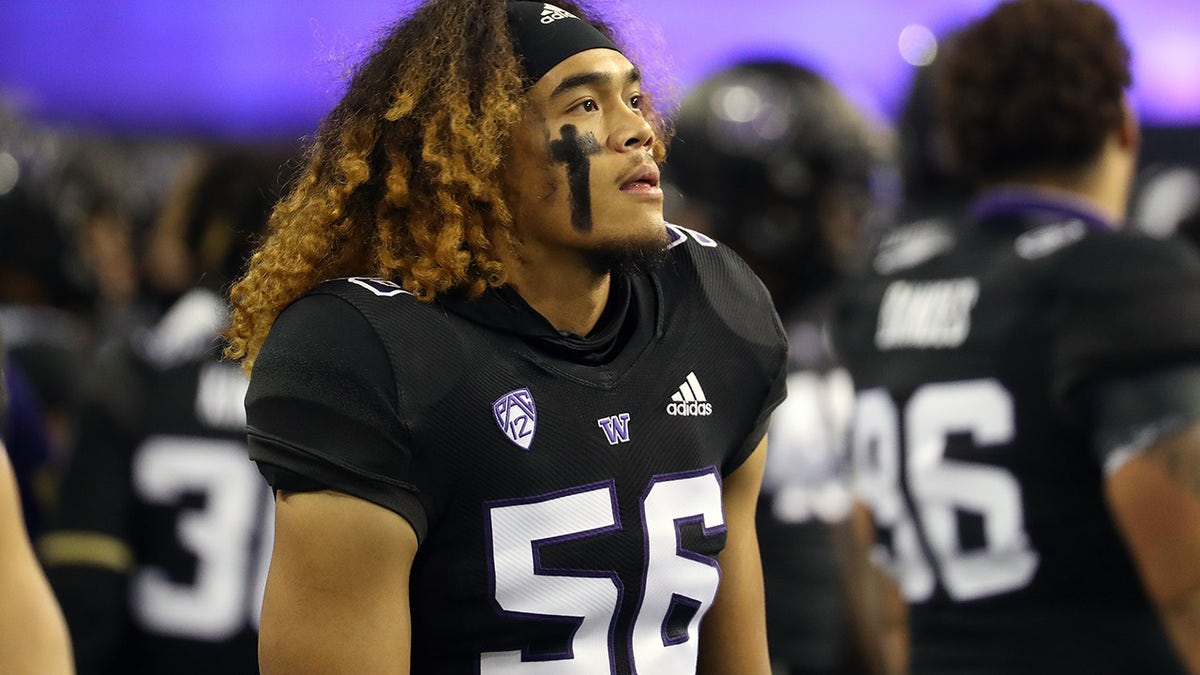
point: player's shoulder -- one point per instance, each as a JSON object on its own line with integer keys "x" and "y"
{"x": 913, "y": 243}
{"x": 377, "y": 301}
{"x": 186, "y": 333}
{"x": 366, "y": 291}
{"x": 711, "y": 278}
{"x": 696, "y": 258}
{"x": 356, "y": 311}
{"x": 1126, "y": 301}
{"x": 1128, "y": 258}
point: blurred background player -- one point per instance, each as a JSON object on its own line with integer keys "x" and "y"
{"x": 43, "y": 303}
{"x": 1026, "y": 435}
{"x": 160, "y": 551}
{"x": 33, "y": 635}
{"x": 774, "y": 162}
{"x": 932, "y": 193}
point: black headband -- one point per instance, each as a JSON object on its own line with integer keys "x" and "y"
{"x": 545, "y": 36}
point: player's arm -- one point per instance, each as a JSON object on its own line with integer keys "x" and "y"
{"x": 878, "y": 612}
{"x": 33, "y": 633}
{"x": 337, "y": 591}
{"x": 1153, "y": 490}
{"x": 733, "y": 635}
{"x": 1155, "y": 498}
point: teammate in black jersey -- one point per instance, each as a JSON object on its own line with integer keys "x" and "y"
{"x": 160, "y": 550}
{"x": 1026, "y": 436}
{"x": 790, "y": 189}
{"x": 505, "y": 440}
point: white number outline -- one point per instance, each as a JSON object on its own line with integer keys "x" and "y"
{"x": 588, "y": 511}
{"x": 665, "y": 509}
{"x": 584, "y": 503}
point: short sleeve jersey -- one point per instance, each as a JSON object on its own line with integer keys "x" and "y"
{"x": 160, "y": 466}
{"x": 972, "y": 440}
{"x": 565, "y": 490}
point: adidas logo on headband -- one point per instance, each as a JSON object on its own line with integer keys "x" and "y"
{"x": 550, "y": 14}
{"x": 542, "y": 39}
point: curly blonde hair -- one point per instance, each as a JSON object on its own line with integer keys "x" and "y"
{"x": 402, "y": 180}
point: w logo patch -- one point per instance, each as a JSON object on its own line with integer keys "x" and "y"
{"x": 616, "y": 428}
{"x": 516, "y": 415}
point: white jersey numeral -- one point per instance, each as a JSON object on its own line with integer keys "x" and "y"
{"x": 226, "y": 591}
{"x": 522, "y": 588}
{"x": 940, "y": 486}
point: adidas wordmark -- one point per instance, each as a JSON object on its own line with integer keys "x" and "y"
{"x": 690, "y": 399}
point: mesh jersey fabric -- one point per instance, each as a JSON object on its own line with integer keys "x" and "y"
{"x": 468, "y": 419}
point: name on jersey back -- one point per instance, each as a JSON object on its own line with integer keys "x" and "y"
{"x": 926, "y": 314}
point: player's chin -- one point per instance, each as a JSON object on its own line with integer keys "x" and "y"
{"x": 634, "y": 252}
{"x": 648, "y": 232}
{"x": 646, "y": 223}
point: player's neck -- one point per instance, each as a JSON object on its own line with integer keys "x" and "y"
{"x": 1103, "y": 183}
{"x": 569, "y": 294}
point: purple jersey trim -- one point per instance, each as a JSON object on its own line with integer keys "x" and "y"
{"x": 1020, "y": 201}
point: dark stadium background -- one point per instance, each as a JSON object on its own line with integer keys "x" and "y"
{"x": 136, "y": 85}
{"x": 269, "y": 68}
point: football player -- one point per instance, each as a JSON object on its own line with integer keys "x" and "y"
{"x": 1026, "y": 441}
{"x": 524, "y": 431}
{"x": 160, "y": 550}
{"x": 772, "y": 160}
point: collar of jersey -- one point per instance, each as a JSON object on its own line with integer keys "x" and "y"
{"x": 1039, "y": 206}
{"x": 504, "y": 310}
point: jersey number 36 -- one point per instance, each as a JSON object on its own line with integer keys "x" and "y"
{"x": 926, "y": 546}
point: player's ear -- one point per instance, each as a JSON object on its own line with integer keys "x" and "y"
{"x": 1129, "y": 131}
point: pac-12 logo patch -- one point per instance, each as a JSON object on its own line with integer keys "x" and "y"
{"x": 516, "y": 415}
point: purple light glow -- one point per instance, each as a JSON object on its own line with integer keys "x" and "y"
{"x": 272, "y": 68}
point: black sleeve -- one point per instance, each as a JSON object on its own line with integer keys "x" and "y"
{"x": 744, "y": 306}
{"x": 322, "y": 409}
{"x": 1125, "y": 304}
{"x": 1133, "y": 412}
{"x": 775, "y": 396}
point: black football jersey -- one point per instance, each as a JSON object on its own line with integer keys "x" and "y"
{"x": 972, "y": 441}
{"x": 565, "y": 490}
{"x": 805, "y": 499}
{"x": 161, "y": 545}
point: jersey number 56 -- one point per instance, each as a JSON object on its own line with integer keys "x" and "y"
{"x": 673, "y": 576}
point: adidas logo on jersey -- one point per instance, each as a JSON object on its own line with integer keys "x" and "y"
{"x": 690, "y": 399}
{"x": 550, "y": 14}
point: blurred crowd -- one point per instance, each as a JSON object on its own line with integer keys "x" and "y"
{"x": 125, "y": 427}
